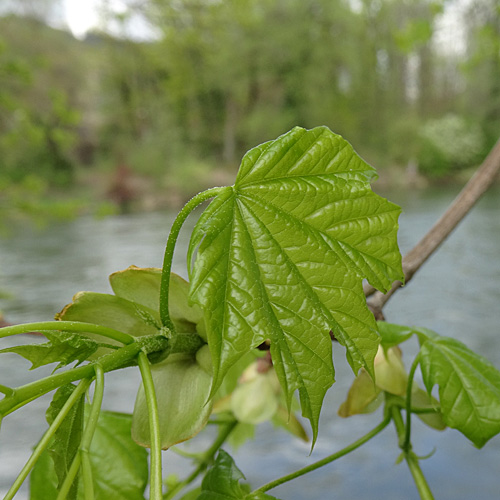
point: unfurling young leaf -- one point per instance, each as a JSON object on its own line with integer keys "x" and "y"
{"x": 469, "y": 385}
{"x": 63, "y": 348}
{"x": 223, "y": 481}
{"x": 392, "y": 334}
{"x": 281, "y": 255}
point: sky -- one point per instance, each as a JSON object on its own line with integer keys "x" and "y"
{"x": 82, "y": 15}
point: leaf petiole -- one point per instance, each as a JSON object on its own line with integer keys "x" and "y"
{"x": 89, "y": 431}
{"x": 410, "y": 457}
{"x": 411, "y": 375}
{"x": 326, "y": 460}
{"x": 169, "y": 250}
{"x": 154, "y": 426}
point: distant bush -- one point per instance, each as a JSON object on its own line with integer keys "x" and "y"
{"x": 449, "y": 144}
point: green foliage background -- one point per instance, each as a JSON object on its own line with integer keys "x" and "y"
{"x": 216, "y": 78}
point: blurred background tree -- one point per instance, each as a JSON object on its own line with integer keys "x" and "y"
{"x": 181, "y": 98}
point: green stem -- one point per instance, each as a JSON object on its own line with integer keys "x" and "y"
{"x": 6, "y": 390}
{"x": 418, "y": 477}
{"x": 326, "y": 460}
{"x": 411, "y": 375}
{"x": 169, "y": 250}
{"x": 67, "y": 326}
{"x": 88, "y": 433}
{"x": 205, "y": 459}
{"x": 154, "y": 428}
{"x": 423, "y": 411}
{"x": 26, "y": 393}
{"x": 47, "y": 437}
{"x": 410, "y": 457}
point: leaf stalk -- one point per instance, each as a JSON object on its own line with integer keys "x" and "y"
{"x": 88, "y": 433}
{"x": 169, "y": 250}
{"x": 154, "y": 428}
{"x": 409, "y": 386}
{"x": 410, "y": 457}
{"x": 320, "y": 463}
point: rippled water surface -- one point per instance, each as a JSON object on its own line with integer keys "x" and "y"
{"x": 456, "y": 293}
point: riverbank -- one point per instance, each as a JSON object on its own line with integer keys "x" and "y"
{"x": 100, "y": 192}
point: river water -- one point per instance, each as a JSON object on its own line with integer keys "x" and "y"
{"x": 456, "y": 294}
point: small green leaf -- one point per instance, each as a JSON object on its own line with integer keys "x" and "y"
{"x": 142, "y": 285}
{"x": 281, "y": 255}
{"x": 469, "y": 385}
{"x": 393, "y": 334}
{"x": 113, "y": 312}
{"x": 63, "y": 348}
{"x": 421, "y": 399}
{"x": 67, "y": 438}
{"x": 222, "y": 481}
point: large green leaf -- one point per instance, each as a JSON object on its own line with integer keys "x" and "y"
{"x": 469, "y": 385}
{"x": 281, "y": 255}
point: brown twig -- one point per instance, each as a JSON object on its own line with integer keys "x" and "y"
{"x": 467, "y": 198}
